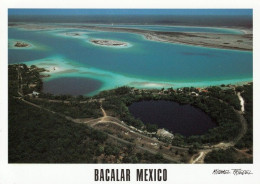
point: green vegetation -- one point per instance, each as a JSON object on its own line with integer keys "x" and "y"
{"x": 246, "y": 143}
{"x": 24, "y": 79}
{"x": 220, "y": 156}
{"x": 226, "y": 156}
{"x": 75, "y": 109}
{"x": 36, "y": 136}
{"x": 147, "y": 157}
{"x": 247, "y": 94}
{"x": 39, "y": 136}
{"x": 71, "y": 98}
{"x": 219, "y": 110}
{"x": 227, "y": 95}
{"x": 13, "y": 81}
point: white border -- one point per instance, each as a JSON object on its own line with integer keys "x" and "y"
{"x": 84, "y": 173}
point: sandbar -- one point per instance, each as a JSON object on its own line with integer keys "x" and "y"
{"x": 213, "y": 40}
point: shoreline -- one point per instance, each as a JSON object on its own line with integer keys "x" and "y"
{"x": 75, "y": 25}
{"x": 112, "y": 80}
{"x": 212, "y": 40}
{"x": 242, "y": 42}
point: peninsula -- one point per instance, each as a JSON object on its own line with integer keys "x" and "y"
{"x": 213, "y": 40}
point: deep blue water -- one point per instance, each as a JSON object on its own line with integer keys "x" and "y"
{"x": 183, "y": 119}
{"x": 73, "y": 86}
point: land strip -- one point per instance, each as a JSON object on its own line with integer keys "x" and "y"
{"x": 213, "y": 40}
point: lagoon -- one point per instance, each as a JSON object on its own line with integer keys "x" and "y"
{"x": 148, "y": 62}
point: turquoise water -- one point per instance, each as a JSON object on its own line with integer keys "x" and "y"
{"x": 145, "y": 64}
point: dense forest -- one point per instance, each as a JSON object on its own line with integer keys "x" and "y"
{"x": 209, "y": 101}
{"x": 74, "y": 108}
{"x": 226, "y": 156}
{"x": 24, "y": 79}
{"x": 247, "y": 94}
{"x": 39, "y": 136}
{"x": 246, "y": 143}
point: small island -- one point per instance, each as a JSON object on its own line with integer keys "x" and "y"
{"x": 21, "y": 44}
{"x": 113, "y": 43}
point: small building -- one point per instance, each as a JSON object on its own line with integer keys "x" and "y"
{"x": 35, "y": 93}
{"x": 164, "y": 133}
{"x": 179, "y": 90}
{"x": 194, "y": 93}
{"x": 32, "y": 85}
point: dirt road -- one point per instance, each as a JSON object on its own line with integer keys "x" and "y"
{"x": 242, "y": 102}
{"x": 112, "y": 120}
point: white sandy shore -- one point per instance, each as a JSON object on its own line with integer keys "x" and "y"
{"x": 150, "y": 84}
{"x": 51, "y": 68}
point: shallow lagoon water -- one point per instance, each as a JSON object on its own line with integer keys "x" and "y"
{"x": 146, "y": 64}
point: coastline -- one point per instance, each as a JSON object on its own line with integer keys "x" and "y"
{"x": 241, "y": 42}
{"x": 211, "y": 40}
{"x": 211, "y": 43}
{"x": 58, "y": 68}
